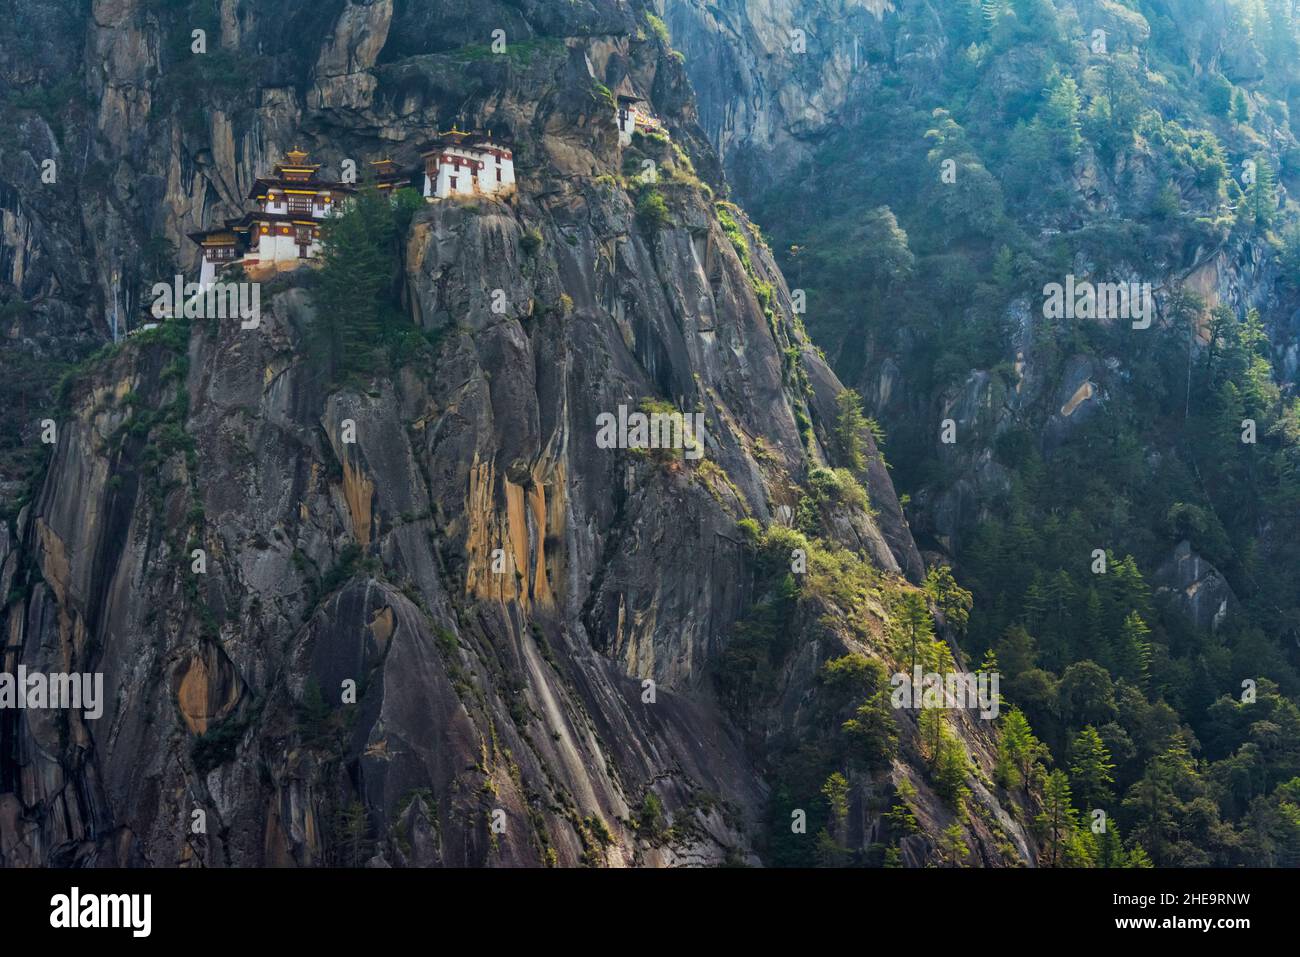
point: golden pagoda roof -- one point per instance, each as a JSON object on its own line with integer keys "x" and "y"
{"x": 466, "y": 138}
{"x": 295, "y": 161}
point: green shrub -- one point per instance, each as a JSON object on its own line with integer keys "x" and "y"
{"x": 652, "y": 211}
{"x": 659, "y": 27}
{"x": 652, "y": 821}
{"x": 217, "y": 746}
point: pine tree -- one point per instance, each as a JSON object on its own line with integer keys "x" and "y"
{"x": 1168, "y": 202}
{"x": 359, "y": 263}
{"x": 952, "y": 600}
{"x": 952, "y": 845}
{"x": 937, "y": 657}
{"x": 1226, "y": 425}
{"x": 1219, "y": 95}
{"x": 836, "y": 792}
{"x": 1079, "y": 848}
{"x": 1110, "y": 849}
{"x": 830, "y": 853}
{"x": 1090, "y": 769}
{"x": 1060, "y": 602}
{"x": 1086, "y": 695}
{"x": 1262, "y": 198}
{"x": 355, "y": 830}
{"x": 1223, "y": 344}
{"x": 1280, "y": 42}
{"x": 930, "y": 723}
{"x": 1018, "y": 750}
{"x": 1133, "y": 653}
{"x": 1005, "y": 771}
{"x": 1111, "y": 852}
{"x": 1127, "y": 590}
{"x": 900, "y": 817}
{"x": 1034, "y": 603}
{"x": 872, "y": 729}
{"x": 950, "y": 768}
{"x": 1016, "y": 651}
{"x": 850, "y": 425}
{"x": 1094, "y": 635}
{"x": 1059, "y": 115}
{"x": 1240, "y": 111}
{"x": 1163, "y": 803}
{"x": 1253, "y": 336}
{"x": 1259, "y": 387}
{"x": 1004, "y": 267}
{"x": 1137, "y": 858}
{"x": 916, "y": 623}
{"x": 1057, "y": 820}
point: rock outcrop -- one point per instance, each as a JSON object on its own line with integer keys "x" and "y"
{"x": 420, "y": 618}
{"x": 1196, "y": 588}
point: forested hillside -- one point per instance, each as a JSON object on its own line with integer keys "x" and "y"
{"x": 923, "y": 171}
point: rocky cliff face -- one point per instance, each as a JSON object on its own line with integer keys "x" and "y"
{"x": 772, "y": 78}
{"x": 532, "y": 625}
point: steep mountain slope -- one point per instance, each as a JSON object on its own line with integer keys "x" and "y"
{"x": 927, "y": 171}
{"x": 561, "y": 653}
